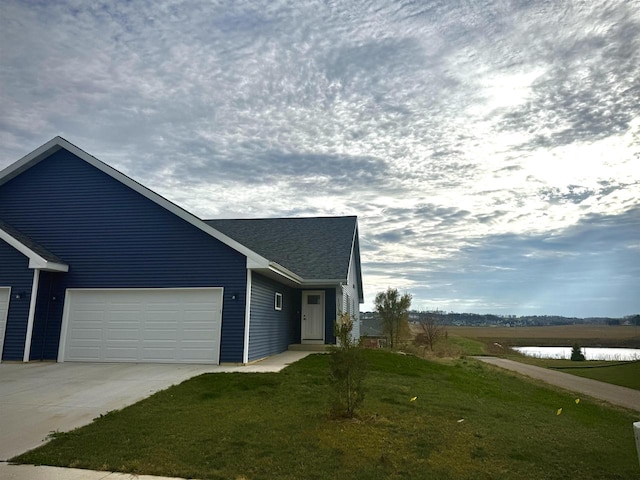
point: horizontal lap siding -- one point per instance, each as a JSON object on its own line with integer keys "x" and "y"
{"x": 271, "y": 331}
{"x": 113, "y": 237}
{"x": 48, "y": 317}
{"x": 330, "y": 315}
{"x": 14, "y": 273}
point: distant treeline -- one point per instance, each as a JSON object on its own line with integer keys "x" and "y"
{"x": 478, "y": 319}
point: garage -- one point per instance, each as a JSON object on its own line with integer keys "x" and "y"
{"x": 4, "y": 310}
{"x": 142, "y": 325}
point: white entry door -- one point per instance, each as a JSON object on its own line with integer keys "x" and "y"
{"x": 312, "y": 316}
{"x": 5, "y": 295}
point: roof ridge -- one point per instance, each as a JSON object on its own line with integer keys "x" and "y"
{"x": 283, "y": 218}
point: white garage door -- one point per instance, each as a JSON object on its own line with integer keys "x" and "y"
{"x": 4, "y": 311}
{"x": 142, "y": 325}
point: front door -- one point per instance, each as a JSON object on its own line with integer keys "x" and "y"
{"x": 312, "y": 316}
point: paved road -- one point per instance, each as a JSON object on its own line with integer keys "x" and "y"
{"x": 622, "y": 396}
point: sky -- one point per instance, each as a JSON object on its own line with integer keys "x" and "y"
{"x": 490, "y": 149}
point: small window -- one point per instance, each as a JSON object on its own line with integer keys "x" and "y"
{"x": 313, "y": 300}
{"x": 278, "y": 303}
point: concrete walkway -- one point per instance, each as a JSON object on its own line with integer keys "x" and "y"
{"x": 39, "y": 398}
{"x": 614, "y": 394}
{"x": 29, "y": 472}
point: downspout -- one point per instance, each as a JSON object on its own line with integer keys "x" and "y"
{"x": 247, "y": 317}
{"x": 32, "y": 315}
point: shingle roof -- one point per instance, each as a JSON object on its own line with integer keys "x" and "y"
{"x": 313, "y": 247}
{"x": 29, "y": 244}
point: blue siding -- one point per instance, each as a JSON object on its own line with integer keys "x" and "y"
{"x": 113, "y": 237}
{"x": 15, "y": 273}
{"x": 48, "y": 317}
{"x": 272, "y": 331}
{"x": 329, "y": 315}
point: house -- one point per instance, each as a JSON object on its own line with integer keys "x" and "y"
{"x": 372, "y": 333}
{"x": 96, "y": 267}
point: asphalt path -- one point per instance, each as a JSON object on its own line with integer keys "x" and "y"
{"x": 614, "y": 394}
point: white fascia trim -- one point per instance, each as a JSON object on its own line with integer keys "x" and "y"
{"x": 356, "y": 262}
{"x": 329, "y": 282}
{"x": 25, "y": 162}
{"x": 35, "y": 260}
{"x": 279, "y": 269}
{"x": 49, "y": 266}
{"x": 57, "y": 143}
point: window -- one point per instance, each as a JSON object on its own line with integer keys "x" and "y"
{"x": 313, "y": 300}
{"x": 278, "y": 301}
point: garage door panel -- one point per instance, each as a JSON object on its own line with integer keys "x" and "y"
{"x": 143, "y": 325}
{"x": 86, "y": 353}
{"x": 197, "y": 335}
{"x": 122, "y": 335}
{"x": 170, "y": 335}
{"x": 83, "y": 335}
{"x": 120, "y": 355}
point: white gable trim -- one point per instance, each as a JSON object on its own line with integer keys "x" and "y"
{"x": 35, "y": 260}
{"x": 356, "y": 263}
{"x": 285, "y": 272}
{"x": 254, "y": 260}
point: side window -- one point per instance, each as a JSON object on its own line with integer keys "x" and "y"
{"x": 278, "y": 301}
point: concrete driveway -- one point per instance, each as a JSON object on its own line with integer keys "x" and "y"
{"x": 39, "y": 398}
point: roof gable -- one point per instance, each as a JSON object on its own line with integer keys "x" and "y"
{"x": 311, "y": 251}
{"x": 253, "y": 259}
{"x": 315, "y": 248}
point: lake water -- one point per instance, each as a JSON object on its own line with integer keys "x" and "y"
{"x": 590, "y": 353}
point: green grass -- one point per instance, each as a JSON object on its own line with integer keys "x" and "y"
{"x": 625, "y": 374}
{"x": 469, "y": 421}
{"x": 468, "y": 346}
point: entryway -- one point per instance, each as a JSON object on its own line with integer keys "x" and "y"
{"x": 312, "y": 330}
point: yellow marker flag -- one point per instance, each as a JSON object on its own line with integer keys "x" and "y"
{"x": 577, "y": 401}
{"x": 413, "y": 399}
{"x": 559, "y": 411}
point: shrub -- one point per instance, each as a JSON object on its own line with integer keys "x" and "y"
{"x": 576, "y": 353}
{"x": 348, "y": 370}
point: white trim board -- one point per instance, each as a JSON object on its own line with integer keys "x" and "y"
{"x": 4, "y": 315}
{"x": 35, "y": 260}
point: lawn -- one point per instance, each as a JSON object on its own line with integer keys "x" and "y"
{"x": 469, "y": 420}
{"x": 494, "y": 341}
{"x": 625, "y": 374}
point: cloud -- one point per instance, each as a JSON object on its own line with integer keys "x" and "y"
{"x": 461, "y": 133}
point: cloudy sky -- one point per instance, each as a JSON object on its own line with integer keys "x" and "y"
{"x": 491, "y": 149}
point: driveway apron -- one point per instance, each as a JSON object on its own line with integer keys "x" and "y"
{"x": 37, "y": 399}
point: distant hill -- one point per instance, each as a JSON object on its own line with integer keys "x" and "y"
{"x": 371, "y": 323}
